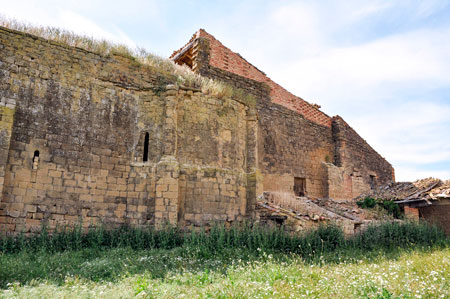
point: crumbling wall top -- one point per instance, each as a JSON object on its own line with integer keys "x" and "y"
{"x": 223, "y": 58}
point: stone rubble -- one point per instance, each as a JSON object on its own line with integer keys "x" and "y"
{"x": 300, "y": 213}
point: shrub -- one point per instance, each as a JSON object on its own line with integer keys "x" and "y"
{"x": 398, "y": 235}
{"x": 391, "y": 207}
{"x": 367, "y": 203}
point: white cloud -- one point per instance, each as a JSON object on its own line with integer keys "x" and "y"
{"x": 427, "y": 8}
{"x": 82, "y": 25}
{"x": 373, "y": 83}
{"x": 298, "y": 20}
{"x": 370, "y": 9}
{"x": 358, "y": 72}
{"x": 415, "y": 134}
{"x": 411, "y": 174}
{"x": 48, "y": 13}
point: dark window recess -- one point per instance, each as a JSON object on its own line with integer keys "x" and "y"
{"x": 300, "y": 186}
{"x": 35, "y": 160}
{"x": 146, "y": 140}
{"x": 372, "y": 181}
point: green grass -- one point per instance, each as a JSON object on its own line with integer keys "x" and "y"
{"x": 393, "y": 259}
{"x": 125, "y": 273}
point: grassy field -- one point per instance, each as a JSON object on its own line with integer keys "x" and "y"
{"x": 191, "y": 268}
{"x": 168, "y": 274}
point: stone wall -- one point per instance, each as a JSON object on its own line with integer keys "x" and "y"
{"x": 215, "y": 156}
{"x": 360, "y": 166}
{"x": 7, "y": 109}
{"x": 289, "y": 144}
{"x": 295, "y": 139}
{"x": 93, "y": 138}
{"x": 73, "y": 133}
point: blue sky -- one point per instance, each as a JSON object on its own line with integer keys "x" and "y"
{"x": 384, "y": 66}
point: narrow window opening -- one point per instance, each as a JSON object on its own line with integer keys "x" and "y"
{"x": 300, "y": 187}
{"x": 146, "y": 140}
{"x": 35, "y": 160}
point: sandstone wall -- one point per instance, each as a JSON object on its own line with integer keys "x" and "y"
{"x": 86, "y": 117}
{"x": 295, "y": 139}
{"x": 7, "y": 109}
{"x": 360, "y": 166}
{"x": 105, "y": 139}
{"x": 289, "y": 144}
{"x": 212, "y": 151}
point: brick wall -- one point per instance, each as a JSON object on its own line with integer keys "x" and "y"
{"x": 411, "y": 213}
{"x": 223, "y": 58}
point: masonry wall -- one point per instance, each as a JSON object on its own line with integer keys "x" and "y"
{"x": 87, "y": 116}
{"x": 295, "y": 139}
{"x": 360, "y": 166}
{"x": 213, "y": 154}
{"x": 438, "y": 214}
{"x": 289, "y": 144}
{"x": 7, "y": 109}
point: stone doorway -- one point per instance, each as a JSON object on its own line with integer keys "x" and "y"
{"x": 299, "y": 186}
{"x": 372, "y": 181}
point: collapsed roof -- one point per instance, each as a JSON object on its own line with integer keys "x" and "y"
{"x": 427, "y": 190}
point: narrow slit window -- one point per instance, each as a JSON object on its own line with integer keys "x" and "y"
{"x": 146, "y": 140}
{"x": 35, "y": 160}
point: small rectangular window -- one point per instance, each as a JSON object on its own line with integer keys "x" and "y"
{"x": 35, "y": 160}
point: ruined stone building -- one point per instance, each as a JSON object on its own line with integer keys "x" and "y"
{"x": 98, "y": 138}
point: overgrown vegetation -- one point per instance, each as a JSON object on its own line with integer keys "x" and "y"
{"x": 184, "y": 75}
{"x": 367, "y": 203}
{"x": 391, "y": 207}
{"x": 252, "y": 237}
{"x": 147, "y": 261}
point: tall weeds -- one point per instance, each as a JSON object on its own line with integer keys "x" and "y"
{"x": 325, "y": 239}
